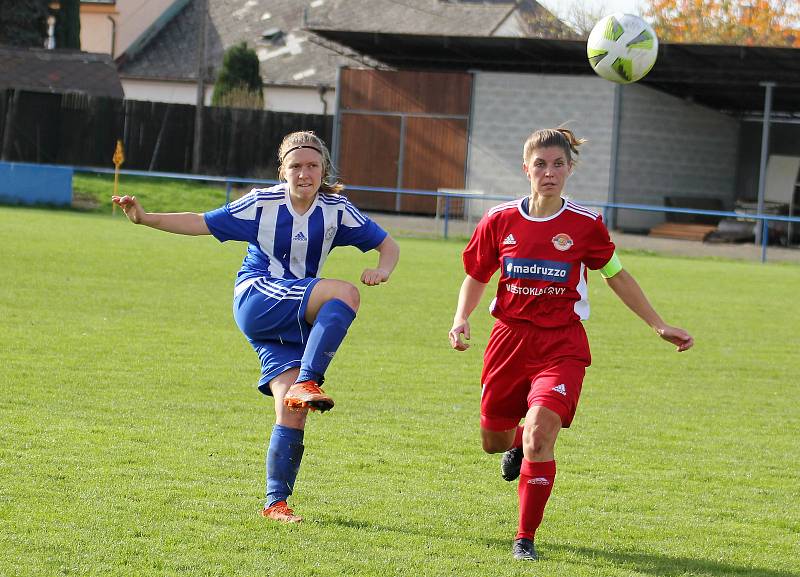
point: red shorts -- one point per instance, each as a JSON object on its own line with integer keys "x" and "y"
{"x": 525, "y": 365}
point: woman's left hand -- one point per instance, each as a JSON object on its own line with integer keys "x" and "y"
{"x": 374, "y": 276}
{"x": 678, "y": 337}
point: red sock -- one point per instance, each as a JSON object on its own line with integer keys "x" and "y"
{"x": 535, "y": 484}
{"x": 518, "y": 437}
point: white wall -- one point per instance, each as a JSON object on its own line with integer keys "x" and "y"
{"x": 130, "y": 19}
{"x": 173, "y": 92}
{"x": 299, "y": 99}
{"x": 135, "y": 16}
{"x": 667, "y": 146}
{"x": 672, "y": 147}
{"x": 277, "y": 98}
{"x": 507, "y": 108}
{"x": 96, "y": 32}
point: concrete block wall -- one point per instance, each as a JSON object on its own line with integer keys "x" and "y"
{"x": 671, "y": 147}
{"x": 507, "y": 108}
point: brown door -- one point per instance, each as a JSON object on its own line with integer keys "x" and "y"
{"x": 434, "y": 157}
{"x": 402, "y": 129}
{"x": 369, "y": 150}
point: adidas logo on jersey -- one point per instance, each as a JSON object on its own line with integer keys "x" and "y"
{"x": 300, "y": 237}
{"x": 560, "y": 389}
{"x": 510, "y": 239}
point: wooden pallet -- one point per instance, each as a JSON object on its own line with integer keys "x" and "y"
{"x": 682, "y": 231}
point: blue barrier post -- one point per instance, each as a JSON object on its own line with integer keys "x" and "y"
{"x": 228, "y": 186}
{"x": 27, "y": 183}
{"x": 764, "y": 239}
{"x": 446, "y": 212}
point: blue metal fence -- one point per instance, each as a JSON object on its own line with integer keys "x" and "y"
{"x": 447, "y": 215}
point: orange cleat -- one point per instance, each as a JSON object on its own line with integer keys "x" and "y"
{"x": 307, "y": 395}
{"x": 280, "y": 511}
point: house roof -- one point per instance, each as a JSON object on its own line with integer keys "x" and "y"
{"x": 449, "y": 18}
{"x": 726, "y": 78}
{"x": 289, "y": 54}
{"x": 59, "y": 71}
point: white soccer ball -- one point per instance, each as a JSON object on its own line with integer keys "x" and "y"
{"x": 622, "y": 48}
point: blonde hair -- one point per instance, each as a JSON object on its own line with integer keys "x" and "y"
{"x": 547, "y": 137}
{"x": 307, "y": 139}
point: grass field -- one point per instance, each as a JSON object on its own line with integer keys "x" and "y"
{"x": 132, "y": 438}
{"x": 92, "y": 192}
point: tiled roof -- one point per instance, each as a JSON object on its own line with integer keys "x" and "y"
{"x": 59, "y": 71}
{"x": 291, "y": 56}
{"x": 411, "y": 16}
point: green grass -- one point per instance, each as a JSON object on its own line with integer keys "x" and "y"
{"x": 92, "y": 192}
{"x": 132, "y": 437}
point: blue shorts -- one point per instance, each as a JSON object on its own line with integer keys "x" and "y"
{"x": 271, "y": 314}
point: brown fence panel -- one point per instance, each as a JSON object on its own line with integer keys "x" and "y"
{"x": 88, "y": 129}
{"x": 369, "y": 149}
{"x": 406, "y": 91}
{"x": 435, "y": 156}
{"x": 158, "y": 136}
{"x": 81, "y": 130}
{"x": 409, "y": 122}
{"x": 31, "y": 128}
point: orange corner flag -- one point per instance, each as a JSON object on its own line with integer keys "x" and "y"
{"x": 118, "y": 158}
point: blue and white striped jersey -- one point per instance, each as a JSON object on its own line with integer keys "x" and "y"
{"x": 287, "y": 245}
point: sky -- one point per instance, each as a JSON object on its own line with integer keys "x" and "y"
{"x": 627, "y": 6}
{"x": 561, "y": 7}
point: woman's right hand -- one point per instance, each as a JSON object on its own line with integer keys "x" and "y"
{"x": 460, "y": 327}
{"x": 131, "y": 207}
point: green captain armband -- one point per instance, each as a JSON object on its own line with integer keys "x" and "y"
{"x": 612, "y": 267}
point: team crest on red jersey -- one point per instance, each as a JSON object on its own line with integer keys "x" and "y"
{"x": 562, "y": 241}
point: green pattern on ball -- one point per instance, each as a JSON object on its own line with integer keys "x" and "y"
{"x": 622, "y": 48}
{"x": 643, "y": 41}
{"x": 623, "y": 67}
{"x": 613, "y": 29}
{"x": 596, "y": 55}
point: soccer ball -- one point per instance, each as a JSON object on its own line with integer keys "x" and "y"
{"x": 622, "y": 48}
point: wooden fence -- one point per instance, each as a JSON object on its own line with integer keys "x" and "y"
{"x": 80, "y": 130}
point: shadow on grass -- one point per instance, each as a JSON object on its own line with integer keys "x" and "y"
{"x": 659, "y": 565}
{"x": 647, "y": 563}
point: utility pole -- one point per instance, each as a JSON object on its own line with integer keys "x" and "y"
{"x": 197, "y": 151}
{"x": 761, "y": 225}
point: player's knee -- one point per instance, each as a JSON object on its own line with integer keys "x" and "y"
{"x": 539, "y": 442}
{"x": 348, "y": 294}
{"x": 494, "y": 445}
{"x": 488, "y": 446}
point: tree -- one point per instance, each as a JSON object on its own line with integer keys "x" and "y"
{"x": 68, "y": 24}
{"x": 737, "y": 22}
{"x": 239, "y": 82}
{"x": 541, "y": 22}
{"x": 23, "y": 22}
{"x": 583, "y": 17}
{"x": 578, "y": 15}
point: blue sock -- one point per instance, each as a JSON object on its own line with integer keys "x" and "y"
{"x": 333, "y": 320}
{"x": 283, "y": 462}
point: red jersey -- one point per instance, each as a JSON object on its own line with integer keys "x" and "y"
{"x": 543, "y": 261}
